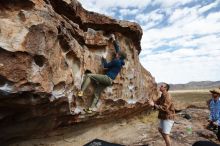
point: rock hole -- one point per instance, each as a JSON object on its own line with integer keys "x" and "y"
{"x": 2, "y": 50}
{"x": 59, "y": 86}
{"x": 16, "y": 4}
{"x": 59, "y": 29}
{"x": 87, "y": 71}
{"x": 64, "y": 44}
{"x": 39, "y": 60}
{"x": 22, "y": 16}
{"x": 13, "y": 55}
{"x": 51, "y": 32}
{"x": 3, "y": 81}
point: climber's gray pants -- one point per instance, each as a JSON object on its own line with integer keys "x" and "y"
{"x": 102, "y": 81}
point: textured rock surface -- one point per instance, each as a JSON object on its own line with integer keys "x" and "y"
{"x": 45, "y": 48}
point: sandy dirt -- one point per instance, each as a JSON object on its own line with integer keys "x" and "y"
{"x": 140, "y": 130}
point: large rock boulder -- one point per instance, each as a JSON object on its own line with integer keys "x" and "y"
{"x": 46, "y": 46}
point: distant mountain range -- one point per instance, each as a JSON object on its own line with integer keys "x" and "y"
{"x": 196, "y": 85}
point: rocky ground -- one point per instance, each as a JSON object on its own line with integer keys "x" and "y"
{"x": 141, "y": 130}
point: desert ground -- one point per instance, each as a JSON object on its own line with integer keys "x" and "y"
{"x": 141, "y": 129}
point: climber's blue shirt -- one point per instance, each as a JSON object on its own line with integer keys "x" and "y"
{"x": 115, "y": 65}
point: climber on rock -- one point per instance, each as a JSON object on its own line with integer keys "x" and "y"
{"x": 102, "y": 81}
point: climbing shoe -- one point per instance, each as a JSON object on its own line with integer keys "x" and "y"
{"x": 88, "y": 110}
{"x": 80, "y": 94}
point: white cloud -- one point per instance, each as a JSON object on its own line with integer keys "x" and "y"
{"x": 210, "y": 41}
{"x": 186, "y": 64}
{"x": 125, "y": 12}
{"x": 150, "y": 19}
{"x": 109, "y": 8}
{"x": 171, "y": 68}
{"x": 115, "y": 3}
{"x": 209, "y": 6}
{"x": 186, "y": 25}
{"x": 184, "y": 15}
{"x": 214, "y": 17}
{"x": 171, "y": 3}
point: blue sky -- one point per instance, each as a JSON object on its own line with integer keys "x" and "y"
{"x": 181, "y": 38}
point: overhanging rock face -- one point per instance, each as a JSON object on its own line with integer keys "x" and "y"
{"x": 46, "y": 46}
